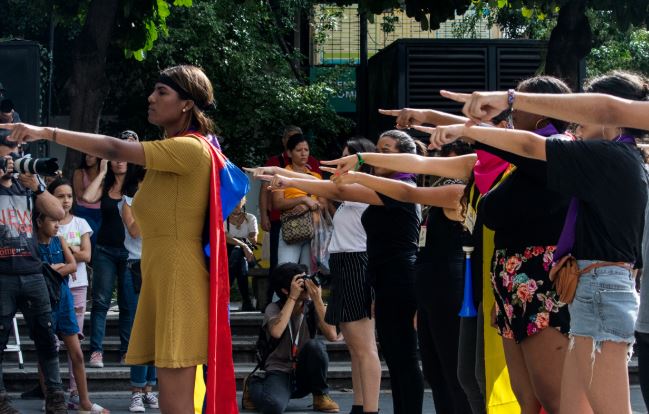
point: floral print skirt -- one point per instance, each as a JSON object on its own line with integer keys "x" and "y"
{"x": 526, "y": 301}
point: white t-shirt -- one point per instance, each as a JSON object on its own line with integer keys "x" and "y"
{"x": 133, "y": 246}
{"x": 72, "y": 233}
{"x": 248, "y": 226}
{"x": 348, "y": 235}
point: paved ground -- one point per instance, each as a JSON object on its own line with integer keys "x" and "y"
{"x": 118, "y": 403}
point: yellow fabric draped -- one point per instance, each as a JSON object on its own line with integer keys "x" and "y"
{"x": 500, "y": 398}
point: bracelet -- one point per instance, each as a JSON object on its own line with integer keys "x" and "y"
{"x": 291, "y": 297}
{"x": 511, "y": 95}
{"x": 360, "y": 162}
{"x": 54, "y": 131}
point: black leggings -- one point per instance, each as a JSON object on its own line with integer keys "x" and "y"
{"x": 642, "y": 346}
{"x": 439, "y": 288}
{"x": 395, "y": 311}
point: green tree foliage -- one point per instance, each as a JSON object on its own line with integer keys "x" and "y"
{"x": 256, "y": 91}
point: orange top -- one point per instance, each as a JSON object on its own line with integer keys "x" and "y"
{"x": 293, "y": 192}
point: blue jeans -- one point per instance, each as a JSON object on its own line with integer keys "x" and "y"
{"x": 28, "y": 293}
{"x": 141, "y": 375}
{"x": 109, "y": 264}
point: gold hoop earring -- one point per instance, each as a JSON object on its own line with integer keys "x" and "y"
{"x": 536, "y": 126}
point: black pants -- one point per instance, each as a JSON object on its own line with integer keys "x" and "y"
{"x": 642, "y": 346}
{"x": 272, "y": 393}
{"x": 275, "y": 227}
{"x": 29, "y": 294}
{"x": 395, "y": 311}
{"x": 439, "y": 287}
{"x": 470, "y": 364}
{"x": 238, "y": 269}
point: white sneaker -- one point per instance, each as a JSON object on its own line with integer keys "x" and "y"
{"x": 96, "y": 360}
{"x": 150, "y": 400}
{"x": 137, "y": 403}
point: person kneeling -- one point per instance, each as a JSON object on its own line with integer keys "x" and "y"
{"x": 296, "y": 364}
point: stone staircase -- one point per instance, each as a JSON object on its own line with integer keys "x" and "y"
{"x": 115, "y": 377}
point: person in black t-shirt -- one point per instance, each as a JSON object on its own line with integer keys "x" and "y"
{"x": 392, "y": 233}
{"x": 109, "y": 257}
{"x": 22, "y": 286}
{"x": 605, "y": 176}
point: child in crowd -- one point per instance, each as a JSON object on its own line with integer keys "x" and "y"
{"x": 76, "y": 232}
{"x": 55, "y": 251}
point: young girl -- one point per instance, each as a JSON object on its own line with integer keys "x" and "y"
{"x": 55, "y": 251}
{"x": 76, "y": 232}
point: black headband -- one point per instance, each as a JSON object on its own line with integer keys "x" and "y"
{"x": 167, "y": 80}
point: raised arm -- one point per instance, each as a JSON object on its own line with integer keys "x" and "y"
{"x": 407, "y": 117}
{"x": 101, "y": 146}
{"x": 447, "y": 196}
{"x": 523, "y": 143}
{"x": 452, "y": 167}
{"x": 284, "y": 172}
{"x": 584, "y": 108}
{"x": 94, "y": 191}
{"x": 326, "y": 189}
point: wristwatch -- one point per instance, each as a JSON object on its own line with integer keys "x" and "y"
{"x": 40, "y": 189}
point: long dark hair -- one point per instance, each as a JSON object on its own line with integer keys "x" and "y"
{"x": 405, "y": 143}
{"x": 546, "y": 84}
{"x": 134, "y": 175}
{"x": 361, "y": 144}
{"x": 59, "y": 182}
{"x": 623, "y": 84}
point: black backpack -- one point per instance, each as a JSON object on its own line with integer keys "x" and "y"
{"x": 266, "y": 344}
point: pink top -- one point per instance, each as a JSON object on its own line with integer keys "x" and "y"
{"x": 86, "y": 182}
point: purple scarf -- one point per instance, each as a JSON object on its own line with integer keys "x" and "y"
{"x": 567, "y": 237}
{"x": 403, "y": 176}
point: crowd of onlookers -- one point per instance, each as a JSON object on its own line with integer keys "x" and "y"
{"x": 548, "y": 216}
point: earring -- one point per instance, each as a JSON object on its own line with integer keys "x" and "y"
{"x": 184, "y": 109}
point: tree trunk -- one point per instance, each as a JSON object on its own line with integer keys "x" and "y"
{"x": 570, "y": 42}
{"x": 88, "y": 85}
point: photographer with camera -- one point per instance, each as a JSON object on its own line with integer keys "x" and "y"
{"x": 293, "y": 362}
{"x": 22, "y": 285}
{"x": 8, "y": 114}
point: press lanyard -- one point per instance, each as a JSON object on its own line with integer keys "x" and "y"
{"x": 471, "y": 213}
{"x": 295, "y": 341}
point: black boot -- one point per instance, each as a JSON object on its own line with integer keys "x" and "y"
{"x": 55, "y": 403}
{"x": 5, "y": 405}
{"x": 356, "y": 409}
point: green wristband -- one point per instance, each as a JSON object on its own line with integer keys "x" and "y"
{"x": 360, "y": 162}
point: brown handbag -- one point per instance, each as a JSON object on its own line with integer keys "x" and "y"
{"x": 297, "y": 225}
{"x": 565, "y": 275}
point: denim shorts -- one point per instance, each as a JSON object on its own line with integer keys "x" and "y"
{"x": 64, "y": 319}
{"x": 606, "y": 305}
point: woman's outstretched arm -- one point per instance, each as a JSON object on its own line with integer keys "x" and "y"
{"x": 581, "y": 108}
{"x": 101, "y": 146}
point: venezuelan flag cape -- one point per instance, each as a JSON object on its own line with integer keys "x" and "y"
{"x": 220, "y": 392}
{"x": 500, "y": 398}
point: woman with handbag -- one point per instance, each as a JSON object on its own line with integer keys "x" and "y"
{"x": 351, "y": 296}
{"x": 605, "y": 176}
{"x": 241, "y": 232}
{"x": 392, "y": 229}
{"x": 298, "y": 208}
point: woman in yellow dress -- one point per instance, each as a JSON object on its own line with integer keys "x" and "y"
{"x": 170, "y": 328}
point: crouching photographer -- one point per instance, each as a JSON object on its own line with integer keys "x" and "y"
{"x": 22, "y": 286}
{"x": 292, "y": 361}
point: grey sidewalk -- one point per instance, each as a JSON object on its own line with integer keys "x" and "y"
{"x": 118, "y": 403}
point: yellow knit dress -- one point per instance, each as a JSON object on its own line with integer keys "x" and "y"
{"x": 170, "y": 328}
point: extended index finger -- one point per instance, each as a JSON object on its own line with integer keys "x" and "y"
{"x": 7, "y": 126}
{"x": 390, "y": 112}
{"x": 455, "y": 96}
{"x": 331, "y": 162}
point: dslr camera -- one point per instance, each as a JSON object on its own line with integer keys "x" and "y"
{"x": 317, "y": 278}
{"x": 28, "y": 165}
